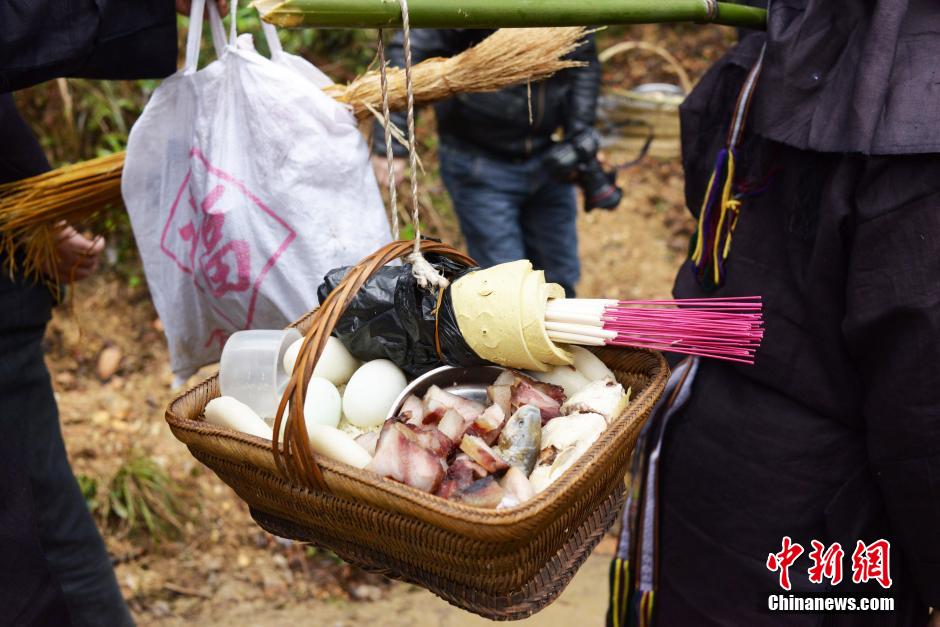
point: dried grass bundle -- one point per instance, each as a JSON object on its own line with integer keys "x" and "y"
{"x": 31, "y": 208}
{"x": 507, "y": 57}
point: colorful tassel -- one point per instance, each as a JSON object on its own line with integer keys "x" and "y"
{"x": 721, "y": 207}
{"x": 619, "y": 593}
{"x": 644, "y": 612}
{"x": 717, "y": 220}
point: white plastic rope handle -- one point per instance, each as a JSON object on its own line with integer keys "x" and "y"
{"x": 217, "y": 28}
{"x": 274, "y": 42}
{"x": 194, "y": 36}
{"x": 233, "y": 27}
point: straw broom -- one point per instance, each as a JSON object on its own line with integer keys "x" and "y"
{"x": 31, "y": 208}
{"x": 507, "y": 57}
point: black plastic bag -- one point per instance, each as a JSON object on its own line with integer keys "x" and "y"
{"x": 391, "y": 317}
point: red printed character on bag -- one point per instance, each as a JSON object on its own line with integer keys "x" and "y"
{"x": 826, "y": 564}
{"x": 872, "y": 562}
{"x": 205, "y": 237}
{"x": 784, "y": 559}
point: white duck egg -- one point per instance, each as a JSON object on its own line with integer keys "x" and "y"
{"x": 336, "y": 364}
{"x": 371, "y": 392}
{"x": 322, "y": 405}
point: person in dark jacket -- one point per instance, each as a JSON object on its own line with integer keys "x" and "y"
{"x": 833, "y": 435}
{"x": 491, "y": 157}
{"x": 54, "y": 568}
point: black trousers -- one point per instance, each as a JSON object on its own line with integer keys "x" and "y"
{"x": 54, "y": 568}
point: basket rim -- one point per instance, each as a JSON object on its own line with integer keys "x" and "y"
{"x": 418, "y": 500}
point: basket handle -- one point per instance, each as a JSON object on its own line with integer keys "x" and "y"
{"x": 625, "y": 46}
{"x": 296, "y": 461}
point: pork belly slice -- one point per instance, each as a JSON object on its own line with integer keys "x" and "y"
{"x": 501, "y": 395}
{"x": 481, "y": 453}
{"x": 483, "y": 492}
{"x": 461, "y": 473}
{"x": 516, "y": 487}
{"x": 412, "y": 410}
{"x": 432, "y": 439}
{"x": 438, "y": 401}
{"x": 514, "y": 377}
{"x": 525, "y": 393}
{"x": 453, "y": 425}
{"x": 400, "y": 456}
{"x": 489, "y": 424}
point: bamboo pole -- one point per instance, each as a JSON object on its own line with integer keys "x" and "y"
{"x": 503, "y": 13}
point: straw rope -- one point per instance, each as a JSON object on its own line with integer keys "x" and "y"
{"x": 425, "y": 274}
{"x": 387, "y": 123}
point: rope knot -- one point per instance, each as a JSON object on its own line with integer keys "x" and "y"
{"x": 425, "y": 273}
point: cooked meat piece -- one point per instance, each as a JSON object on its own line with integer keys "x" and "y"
{"x": 483, "y": 492}
{"x": 400, "y": 457}
{"x": 482, "y": 454}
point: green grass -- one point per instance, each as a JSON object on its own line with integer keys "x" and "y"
{"x": 141, "y": 499}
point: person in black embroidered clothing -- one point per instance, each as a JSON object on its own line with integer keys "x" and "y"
{"x": 834, "y": 434}
{"x": 54, "y": 569}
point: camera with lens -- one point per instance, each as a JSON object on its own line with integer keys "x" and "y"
{"x": 576, "y": 160}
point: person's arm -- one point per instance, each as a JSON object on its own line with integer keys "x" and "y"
{"x": 21, "y": 157}
{"x": 106, "y": 39}
{"x": 892, "y": 331}
{"x": 585, "y": 85}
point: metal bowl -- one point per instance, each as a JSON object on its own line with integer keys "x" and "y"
{"x": 470, "y": 383}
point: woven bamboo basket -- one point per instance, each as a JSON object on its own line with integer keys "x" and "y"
{"x": 644, "y": 119}
{"x": 503, "y": 565}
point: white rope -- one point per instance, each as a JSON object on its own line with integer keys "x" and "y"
{"x": 423, "y": 271}
{"x": 389, "y": 153}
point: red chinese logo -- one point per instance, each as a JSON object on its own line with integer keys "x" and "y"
{"x": 783, "y": 560}
{"x": 872, "y": 561}
{"x": 826, "y": 564}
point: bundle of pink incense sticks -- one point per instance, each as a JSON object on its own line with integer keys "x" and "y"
{"x": 721, "y": 328}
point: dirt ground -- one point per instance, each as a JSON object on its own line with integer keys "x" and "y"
{"x": 223, "y": 569}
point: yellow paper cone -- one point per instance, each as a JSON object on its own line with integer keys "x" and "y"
{"x": 501, "y": 315}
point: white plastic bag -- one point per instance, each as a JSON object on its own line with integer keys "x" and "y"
{"x": 245, "y": 184}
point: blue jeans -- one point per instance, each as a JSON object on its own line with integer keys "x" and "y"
{"x": 511, "y": 211}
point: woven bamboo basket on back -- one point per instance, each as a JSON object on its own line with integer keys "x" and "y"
{"x": 503, "y": 565}
{"x": 645, "y": 119}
